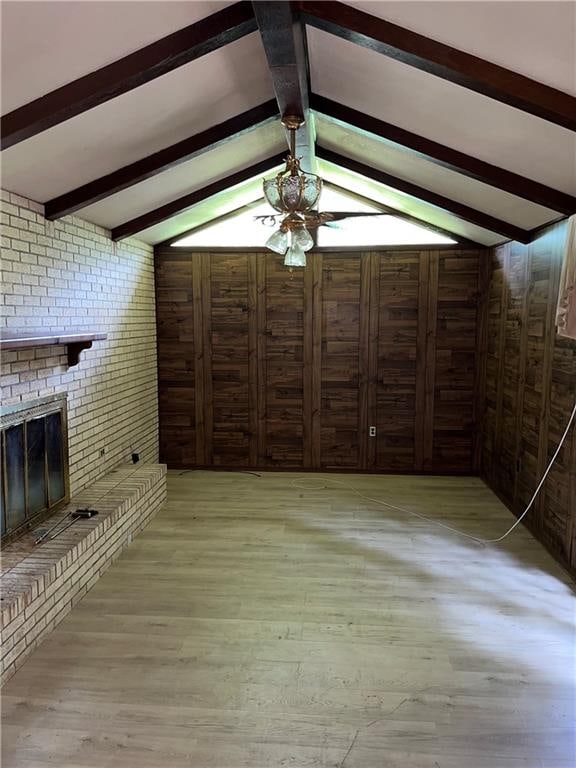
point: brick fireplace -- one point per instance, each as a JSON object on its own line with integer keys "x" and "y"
{"x": 69, "y": 275}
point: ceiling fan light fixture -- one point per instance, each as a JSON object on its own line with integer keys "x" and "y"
{"x": 293, "y": 190}
{"x": 295, "y": 194}
{"x": 278, "y": 241}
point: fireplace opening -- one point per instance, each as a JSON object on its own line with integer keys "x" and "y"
{"x": 34, "y": 463}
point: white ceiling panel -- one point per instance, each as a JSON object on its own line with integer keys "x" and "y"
{"x": 206, "y": 211}
{"x": 204, "y": 169}
{"x": 405, "y": 203}
{"x": 536, "y": 39}
{"x": 391, "y": 158}
{"x": 182, "y": 103}
{"x": 48, "y": 44}
{"x": 442, "y": 111}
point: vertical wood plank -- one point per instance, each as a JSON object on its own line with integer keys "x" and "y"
{"x": 308, "y": 361}
{"x": 455, "y": 362}
{"x": 432, "y": 310}
{"x": 506, "y": 469}
{"x": 261, "y": 262}
{"x": 421, "y": 351}
{"x": 316, "y": 358}
{"x": 230, "y": 334}
{"x": 501, "y": 349}
{"x": 363, "y": 357}
{"x": 572, "y": 503}
{"x": 547, "y": 360}
{"x": 484, "y": 275}
{"x": 253, "y": 369}
{"x": 206, "y": 329}
{"x": 521, "y": 386}
{"x": 199, "y": 359}
{"x": 397, "y": 364}
{"x": 373, "y": 330}
{"x": 312, "y": 359}
{"x": 176, "y": 380}
{"x": 340, "y": 360}
{"x": 284, "y": 344}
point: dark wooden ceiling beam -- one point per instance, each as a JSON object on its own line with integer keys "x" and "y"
{"x": 164, "y": 212}
{"x": 160, "y": 161}
{"x": 284, "y": 40}
{"x": 507, "y": 181}
{"x": 464, "y": 212}
{"x": 442, "y": 60}
{"x": 142, "y": 66}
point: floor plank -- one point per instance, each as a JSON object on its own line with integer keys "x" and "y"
{"x": 255, "y": 624}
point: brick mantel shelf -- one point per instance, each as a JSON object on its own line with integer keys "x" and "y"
{"x": 74, "y": 342}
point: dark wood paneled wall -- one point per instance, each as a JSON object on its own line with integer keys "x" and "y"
{"x": 530, "y": 386}
{"x": 260, "y": 367}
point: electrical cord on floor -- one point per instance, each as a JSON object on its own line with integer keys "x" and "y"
{"x": 305, "y": 485}
{"x": 240, "y": 471}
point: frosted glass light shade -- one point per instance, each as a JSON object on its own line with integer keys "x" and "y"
{"x": 302, "y": 238}
{"x": 278, "y": 242}
{"x": 287, "y": 193}
{"x": 295, "y": 257}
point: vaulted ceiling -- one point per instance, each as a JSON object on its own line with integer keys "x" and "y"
{"x": 152, "y": 118}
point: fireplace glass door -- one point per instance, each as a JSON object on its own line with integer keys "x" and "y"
{"x": 34, "y": 464}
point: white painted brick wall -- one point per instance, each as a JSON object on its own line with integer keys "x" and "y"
{"x": 69, "y": 274}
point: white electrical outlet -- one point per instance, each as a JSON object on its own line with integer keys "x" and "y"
{"x": 372, "y": 431}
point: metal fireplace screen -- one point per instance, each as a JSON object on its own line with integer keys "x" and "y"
{"x": 34, "y": 463}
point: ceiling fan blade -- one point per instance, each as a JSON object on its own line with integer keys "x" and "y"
{"x": 338, "y": 215}
{"x": 314, "y": 219}
{"x": 329, "y": 218}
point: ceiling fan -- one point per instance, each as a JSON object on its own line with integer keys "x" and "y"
{"x": 294, "y": 193}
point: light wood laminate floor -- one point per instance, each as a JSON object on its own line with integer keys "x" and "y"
{"x": 255, "y": 625}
